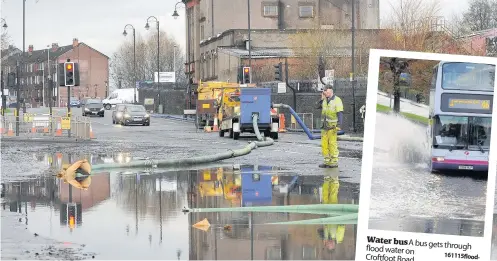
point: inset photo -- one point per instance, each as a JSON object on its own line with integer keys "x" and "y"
{"x": 432, "y": 135}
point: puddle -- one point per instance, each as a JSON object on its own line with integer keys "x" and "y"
{"x": 138, "y": 216}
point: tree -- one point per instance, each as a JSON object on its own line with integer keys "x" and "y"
{"x": 481, "y": 15}
{"x": 5, "y": 41}
{"x": 146, "y": 59}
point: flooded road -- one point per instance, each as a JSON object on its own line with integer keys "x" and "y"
{"x": 137, "y": 215}
{"x": 405, "y": 196}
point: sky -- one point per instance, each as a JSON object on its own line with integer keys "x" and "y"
{"x": 100, "y": 23}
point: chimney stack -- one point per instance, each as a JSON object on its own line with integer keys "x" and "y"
{"x": 55, "y": 46}
{"x": 75, "y": 42}
{"x": 30, "y": 49}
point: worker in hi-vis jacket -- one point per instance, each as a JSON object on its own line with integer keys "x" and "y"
{"x": 331, "y": 234}
{"x": 331, "y": 120}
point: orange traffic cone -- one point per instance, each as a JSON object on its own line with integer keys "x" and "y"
{"x": 58, "y": 132}
{"x": 91, "y": 133}
{"x": 202, "y": 225}
{"x": 33, "y": 128}
{"x": 215, "y": 127}
{"x": 11, "y": 130}
{"x": 1, "y": 126}
{"x": 282, "y": 123}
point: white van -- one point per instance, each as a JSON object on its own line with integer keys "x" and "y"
{"x": 120, "y": 96}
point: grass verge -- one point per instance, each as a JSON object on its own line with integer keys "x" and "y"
{"x": 410, "y": 116}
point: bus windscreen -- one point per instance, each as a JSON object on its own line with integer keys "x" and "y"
{"x": 468, "y": 76}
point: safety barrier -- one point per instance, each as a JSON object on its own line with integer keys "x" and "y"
{"x": 43, "y": 125}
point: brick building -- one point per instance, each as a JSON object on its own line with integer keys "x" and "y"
{"x": 210, "y": 24}
{"x": 93, "y": 68}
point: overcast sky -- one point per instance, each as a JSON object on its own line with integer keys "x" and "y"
{"x": 99, "y": 23}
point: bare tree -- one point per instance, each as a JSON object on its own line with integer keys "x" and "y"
{"x": 146, "y": 60}
{"x": 481, "y": 15}
{"x": 5, "y": 41}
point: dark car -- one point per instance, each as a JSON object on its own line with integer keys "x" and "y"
{"x": 93, "y": 107}
{"x": 118, "y": 113}
{"x": 135, "y": 114}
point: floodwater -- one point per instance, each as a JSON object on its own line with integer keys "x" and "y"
{"x": 137, "y": 215}
{"x": 405, "y": 196}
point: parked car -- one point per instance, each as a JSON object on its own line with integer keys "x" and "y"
{"x": 118, "y": 113}
{"x": 75, "y": 103}
{"x": 93, "y": 107}
{"x": 135, "y": 114}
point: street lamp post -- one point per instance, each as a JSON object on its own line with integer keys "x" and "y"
{"x": 23, "y": 51}
{"x": 175, "y": 16}
{"x": 352, "y": 75}
{"x": 134, "y": 55}
{"x": 4, "y": 99}
{"x": 147, "y": 26}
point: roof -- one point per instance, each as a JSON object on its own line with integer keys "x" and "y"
{"x": 42, "y": 55}
{"x": 279, "y": 52}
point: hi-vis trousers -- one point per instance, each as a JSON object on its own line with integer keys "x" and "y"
{"x": 329, "y": 146}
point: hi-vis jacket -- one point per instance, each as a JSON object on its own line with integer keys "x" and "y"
{"x": 329, "y": 112}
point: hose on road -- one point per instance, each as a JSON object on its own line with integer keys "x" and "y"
{"x": 195, "y": 160}
{"x": 340, "y": 137}
{"x": 337, "y": 213}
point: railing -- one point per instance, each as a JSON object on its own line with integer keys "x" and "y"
{"x": 45, "y": 126}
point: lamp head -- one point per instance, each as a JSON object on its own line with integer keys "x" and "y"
{"x": 175, "y": 14}
{"x": 147, "y": 26}
{"x": 4, "y": 25}
{"x": 125, "y": 33}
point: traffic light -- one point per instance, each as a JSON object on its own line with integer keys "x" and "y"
{"x": 278, "y": 72}
{"x": 11, "y": 80}
{"x": 69, "y": 74}
{"x": 71, "y": 214}
{"x": 246, "y": 75}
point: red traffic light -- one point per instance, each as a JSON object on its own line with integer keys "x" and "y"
{"x": 69, "y": 66}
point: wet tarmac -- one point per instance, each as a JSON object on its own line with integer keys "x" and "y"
{"x": 137, "y": 215}
{"x": 405, "y": 196}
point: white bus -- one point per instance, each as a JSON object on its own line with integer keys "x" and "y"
{"x": 461, "y": 101}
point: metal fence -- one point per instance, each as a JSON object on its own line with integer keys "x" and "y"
{"x": 42, "y": 125}
{"x": 307, "y": 119}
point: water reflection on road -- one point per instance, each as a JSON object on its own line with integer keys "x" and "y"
{"x": 138, "y": 215}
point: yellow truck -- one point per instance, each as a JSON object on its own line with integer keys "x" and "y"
{"x": 208, "y": 98}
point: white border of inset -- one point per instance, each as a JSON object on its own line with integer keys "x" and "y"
{"x": 367, "y": 164}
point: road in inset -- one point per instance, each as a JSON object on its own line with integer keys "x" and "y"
{"x": 405, "y": 196}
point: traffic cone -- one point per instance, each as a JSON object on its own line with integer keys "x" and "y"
{"x": 91, "y": 133}
{"x": 215, "y": 127}
{"x": 33, "y": 128}
{"x": 282, "y": 123}
{"x": 1, "y": 126}
{"x": 58, "y": 131}
{"x": 11, "y": 130}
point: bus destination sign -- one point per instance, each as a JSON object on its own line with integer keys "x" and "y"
{"x": 470, "y": 103}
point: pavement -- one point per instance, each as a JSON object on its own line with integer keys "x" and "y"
{"x": 405, "y": 105}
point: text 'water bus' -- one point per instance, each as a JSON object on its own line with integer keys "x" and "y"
{"x": 461, "y": 101}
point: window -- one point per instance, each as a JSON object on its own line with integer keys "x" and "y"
{"x": 306, "y": 11}
{"x": 269, "y": 10}
{"x": 41, "y": 66}
{"x": 468, "y": 76}
{"x": 456, "y": 132}
{"x": 273, "y": 253}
